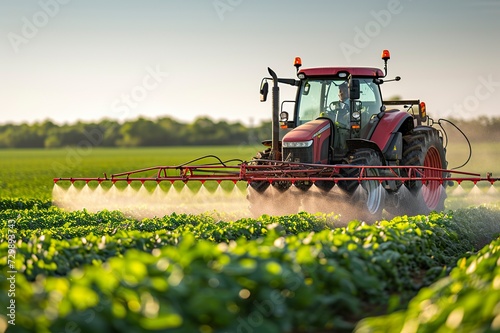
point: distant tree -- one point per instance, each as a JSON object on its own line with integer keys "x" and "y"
{"x": 204, "y": 131}
{"x": 201, "y": 130}
{"x": 261, "y": 132}
{"x": 394, "y": 98}
{"x": 110, "y": 131}
{"x": 22, "y": 136}
{"x": 4, "y": 134}
{"x": 174, "y": 131}
{"x": 478, "y": 129}
{"x": 53, "y": 140}
{"x": 142, "y": 132}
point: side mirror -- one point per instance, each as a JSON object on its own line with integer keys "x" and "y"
{"x": 284, "y": 119}
{"x": 307, "y": 87}
{"x": 354, "y": 92}
{"x": 264, "y": 90}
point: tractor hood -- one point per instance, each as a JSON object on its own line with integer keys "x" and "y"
{"x": 307, "y": 131}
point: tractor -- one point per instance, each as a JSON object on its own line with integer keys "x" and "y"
{"x": 340, "y": 118}
{"x": 344, "y": 149}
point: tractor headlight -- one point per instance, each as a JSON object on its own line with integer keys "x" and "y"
{"x": 298, "y": 144}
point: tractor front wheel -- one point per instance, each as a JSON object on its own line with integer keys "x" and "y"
{"x": 367, "y": 196}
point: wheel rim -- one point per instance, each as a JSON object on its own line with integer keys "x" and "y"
{"x": 375, "y": 193}
{"x": 431, "y": 192}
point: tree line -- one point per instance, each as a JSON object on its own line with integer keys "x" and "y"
{"x": 167, "y": 131}
{"x": 140, "y": 132}
{"x": 480, "y": 129}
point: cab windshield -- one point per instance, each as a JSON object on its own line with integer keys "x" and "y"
{"x": 320, "y": 98}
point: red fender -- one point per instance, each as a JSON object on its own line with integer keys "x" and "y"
{"x": 387, "y": 126}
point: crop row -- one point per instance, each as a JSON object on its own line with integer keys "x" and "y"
{"x": 194, "y": 274}
{"x": 52, "y": 242}
{"x": 468, "y": 300}
{"x": 22, "y": 204}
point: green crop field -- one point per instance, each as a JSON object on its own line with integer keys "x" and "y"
{"x": 105, "y": 271}
{"x": 28, "y": 173}
{"x": 484, "y": 158}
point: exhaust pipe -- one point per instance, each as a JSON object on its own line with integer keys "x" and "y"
{"x": 275, "y": 151}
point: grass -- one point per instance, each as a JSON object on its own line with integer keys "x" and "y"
{"x": 484, "y": 157}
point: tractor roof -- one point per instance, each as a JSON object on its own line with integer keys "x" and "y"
{"x": 333, "y": 71}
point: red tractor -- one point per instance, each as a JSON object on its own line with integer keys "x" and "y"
{"x": 344, "y": 150}
{"x": 340, "y": 118}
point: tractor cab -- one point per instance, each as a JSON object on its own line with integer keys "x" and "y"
{"x": 331, "y": 98}
{"x": 336, "y": 110}
{"x": 333, "y": 105}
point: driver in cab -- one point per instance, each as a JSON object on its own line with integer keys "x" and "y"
{"x": 343, "y": 98}
{"x": 339, "y": 111}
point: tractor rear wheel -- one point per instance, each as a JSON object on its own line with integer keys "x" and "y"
{"x": 368, "y": 197}
{"x": 424, "y": 148}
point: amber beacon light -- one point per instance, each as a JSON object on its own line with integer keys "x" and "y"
{"x": 297, "y": 63}
{"x": 423, "y": 111}
{"x": 386, "y": 55}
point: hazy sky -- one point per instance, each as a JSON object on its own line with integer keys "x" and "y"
{"x": 69, "y": 60}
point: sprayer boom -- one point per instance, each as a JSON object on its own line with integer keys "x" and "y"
{"x": 278, "y": 171}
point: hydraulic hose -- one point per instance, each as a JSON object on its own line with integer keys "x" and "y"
{"x": 463, "y": 134}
